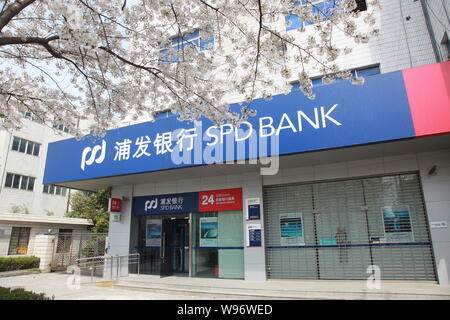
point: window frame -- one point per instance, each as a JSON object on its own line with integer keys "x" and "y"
{"x": 294, "y": 19}
{"x": 26, "y": 146}
{"x": 366, "y": 71}
{"x": 189, "y": 38}
{"x": 54, "y": 190}
{"x": 16, "y": 181}
{"x": 15, "y": 248}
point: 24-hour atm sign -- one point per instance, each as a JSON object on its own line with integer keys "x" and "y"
{"x": 220, "y": 200}
{"x": 204, "y": 201}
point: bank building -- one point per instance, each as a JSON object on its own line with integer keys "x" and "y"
{"x": 322, "y": 189}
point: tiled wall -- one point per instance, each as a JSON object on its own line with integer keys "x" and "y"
{"x": 438, "y": 11}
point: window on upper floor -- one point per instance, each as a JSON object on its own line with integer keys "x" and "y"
{"x": 360, "y": 72}
{"x": 61, "y": 127}
{"x": 56, "y": 190}
{"x": 27, "y": 115}
{"x": 321, "y": 7}
{"x": 17, "y": 181}
{"x": 26, "y": 146}
{"x": 178, "y": 43}
{"x": 18, "y": 243}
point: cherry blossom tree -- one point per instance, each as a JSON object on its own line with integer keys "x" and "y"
{"x": 106, "y": 60}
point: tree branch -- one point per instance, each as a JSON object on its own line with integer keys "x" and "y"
{"x": 12, "y": 10}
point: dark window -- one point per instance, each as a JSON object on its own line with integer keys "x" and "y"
{"x": 24, "y": 183}
{"x": 321, "y": 7}
{"x": 23, "y": 145}
{"x": 15, "y": 144}
{"x": 30, "y": 147}
{"x": 28, "y": 115}
{"x": 16, "y": 181}
{"x": 52, "y": 189}
{"x": 178, "y": 43}
{"x": 364, "y": 72}
{"x": 31, "y": 184}
{"x": 26, "y": 146}
{"x": 9, "y": 180}
{"x": 18, "y": 243}
{"x": 37, "y": 148}
{"x": 361, "y": 5}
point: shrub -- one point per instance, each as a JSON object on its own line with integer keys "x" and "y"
{"x": 21, "y": 294}
{"x": 18, "y": 263}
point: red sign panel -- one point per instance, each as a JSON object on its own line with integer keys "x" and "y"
{"x": 220, "y": 200}
{"x": 115, "y": 205}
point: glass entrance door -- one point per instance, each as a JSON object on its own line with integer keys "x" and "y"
{"x": 174, "y": 253}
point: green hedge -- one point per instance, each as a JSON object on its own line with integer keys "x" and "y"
{"x": 21, "y": 294}
{"x": 18, "y": 263}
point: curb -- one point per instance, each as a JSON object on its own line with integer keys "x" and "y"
{"x": 17, "y": 273}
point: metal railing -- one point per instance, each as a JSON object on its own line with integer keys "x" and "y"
{"x": 108, "y": 268}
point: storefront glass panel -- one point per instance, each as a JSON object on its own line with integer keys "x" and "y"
{"x": 208, "y": 245}
{"x": 217, "y": 243}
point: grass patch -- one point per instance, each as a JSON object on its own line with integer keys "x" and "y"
{"x": 21, "y": 294}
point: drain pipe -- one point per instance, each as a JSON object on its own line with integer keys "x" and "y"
{"x": 430, "y": 30}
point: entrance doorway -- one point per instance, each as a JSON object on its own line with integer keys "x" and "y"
{"x": 174, "y": 253}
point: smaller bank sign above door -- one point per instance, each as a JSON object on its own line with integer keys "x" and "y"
{"x": 204, "y": 201}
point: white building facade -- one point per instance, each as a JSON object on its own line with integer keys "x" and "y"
{"x": 27, "y": 206}
{"x": 360, "y": 181}
{"x": 22, "y": 165}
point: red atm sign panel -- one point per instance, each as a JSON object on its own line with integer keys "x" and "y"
{"x": 115, "y": 205}
{"x": 220, "y": 200}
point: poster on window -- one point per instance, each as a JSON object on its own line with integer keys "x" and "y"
{"x": 397, "y": 223}
{"x": 291, "y": 229}
{"x": 153, "y": 233}
{"x": 208, "y": 231}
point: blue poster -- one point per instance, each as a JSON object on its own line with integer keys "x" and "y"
{"x": 291, "y": 229}
{"x": 209, "y": 232}
{"x": 397, "y": 223}
{"x": 254, "y": 235}
{"x": 253, "y": 208}
{"x": 153, "y": 234}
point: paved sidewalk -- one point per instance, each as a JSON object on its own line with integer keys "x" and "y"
{"x": 55, "y": 284}
{"x": 288, "y": 289}
{"x": 146, "y": 287}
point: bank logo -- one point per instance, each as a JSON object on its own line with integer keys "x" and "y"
{"x": 92, "y": 152}
{"x": 151, "y": 204}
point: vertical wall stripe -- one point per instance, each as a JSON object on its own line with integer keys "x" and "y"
{"x": 428, "y": 90}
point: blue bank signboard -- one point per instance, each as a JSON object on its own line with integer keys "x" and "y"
{"x": 167, "y": 203}
{"x": 341, "y": 115}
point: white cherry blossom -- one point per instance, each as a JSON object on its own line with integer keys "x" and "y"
{"x": 67, "y": 61}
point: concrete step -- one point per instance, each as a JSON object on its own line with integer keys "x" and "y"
{"x": 222, "y": 292}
